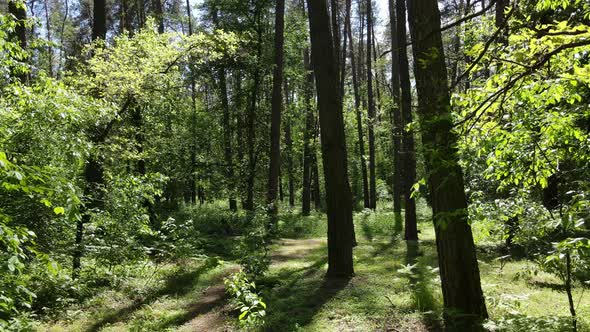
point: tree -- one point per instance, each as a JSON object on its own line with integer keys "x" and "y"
{"x": 461, "y": 287}
{"x": 159, "y": 13}
{"x": 359, "y": 116}
{"x": 338, "y": 195}
{"x": 409, "y": 153}
{"x": 396, "y": 110}
{"x": 18, "y": 9}
{"x": 276, "y": 108}
{"x": 371, "y": 110}
{"x": 308, "y": 149}
{"x": 99, "y": 23}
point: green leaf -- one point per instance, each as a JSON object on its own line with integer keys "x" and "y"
{"x": 59, "y": 210}
{"x": 242, "y": 315}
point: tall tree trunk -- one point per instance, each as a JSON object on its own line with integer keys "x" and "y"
{"x": 499, "y": 21}
{"x": 227, "y": 130}
{"x": 227, "y": 140}
{"x": 140, "y": 13}
{"x": 335, "y": 19}
{"x": 93, "y": 169}
{"x": 159, "y": 13}
{"x": 359, "y": 119}
{"x": 48, "y": 32}
{"x": 251, "y": 138}
{"x": 459, "y": 271}
{"x": 240, "y": 134}
{"x": 99, "y": 24}
{"x": 371, "y": 111}
{"x": 307, "y": 136}
{"x": 409, "y": 154}
{"x": 396, "y": 118}
{"x": 289, "y": 149}
{"x": 345, "y": 38}
{"x": 275, "y": 117}
{"x": 18, "y": 9}
{"x": 338, "y": 196}
{"x": 193, "y": 146}
{"x": 316, "y": 191}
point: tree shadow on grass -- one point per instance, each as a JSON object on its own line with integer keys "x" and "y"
{"x": 421, "y": 277}
{"x": 176, "y": 285}
{"x": 298, "y": 294}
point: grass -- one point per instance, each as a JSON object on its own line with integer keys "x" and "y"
{"x": 384, "y": 295}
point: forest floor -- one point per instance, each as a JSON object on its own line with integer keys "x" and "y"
{"x": 384, "y": 294}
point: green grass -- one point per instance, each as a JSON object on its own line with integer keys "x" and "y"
{"x": 383, "y": 295}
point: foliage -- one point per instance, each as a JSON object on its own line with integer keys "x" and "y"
{"x": 243, "y": 292}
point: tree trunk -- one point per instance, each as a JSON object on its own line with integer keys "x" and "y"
{"x": 289, "y": 149}
{"x": 371, "y": 111}
{"x": 48, "y": 32}
{"x": 409, "y": 154}
{"x": 308, "y": 135}
{"x": 99, "y": 24}
{"x": 338, "y": 196}
{"x": 499, "y": 21}
{"x": 251, "y": 119}
{"x": 396, "y": 117}
{"x": 461, "y": 287}
{"x": 275, "y": 117}
{"x": 359, "y": 119}
{"x": 159, "y": 14}
{"x": 335, "y": 18}
{"x": 346, "y": 38}
{"x": 316, "y": 192}
{"x": 18, "y": 10}
{"x": 227, "y": 140}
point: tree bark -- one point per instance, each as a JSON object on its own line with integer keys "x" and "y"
{"x": 371, "y": 111}
{"x": 275, "y": 117}
{"x": 338, "y": 196}
{"x": 159, "y": 13}
{"x": 18, "y": 10}
{"x": 409, "y": 154}
{"x": 289, "y": 149}
{"x": 308, "y": 135}
{"x": 396, "y": 117}
{"x": 359, "y": 119}
{"x": 461, "y": 287}
{"x": 227, "y": 140}
{"x": 99, "y": 24}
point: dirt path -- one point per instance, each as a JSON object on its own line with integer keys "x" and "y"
{"x": 212, "y": 311}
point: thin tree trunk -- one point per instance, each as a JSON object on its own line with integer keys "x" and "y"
{"x": 308, "y": 135}
{"x": 276, "y": 108}
{"x": 61, "y": 36}
{"x": 227, "y": 140}
{"x": 316, "y": 192}
{"x": 359, "y": 120}
{"x": 371, "y": 112}
{"x": 346, "y": 38}
{"x": 193, "y": 146}
{"x": 409, "y": 154}
{"x": 289, "y": 149}
{"x": 49, "y": 47}
{"x": 338, "y": 196}
{"x": 459, "y": 271}
{"x": 396, "y": 118}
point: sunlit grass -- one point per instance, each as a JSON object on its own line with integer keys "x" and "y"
{"x": 384, "y": 293}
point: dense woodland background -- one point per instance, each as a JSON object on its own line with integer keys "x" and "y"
{"x": 288, "y": 165}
